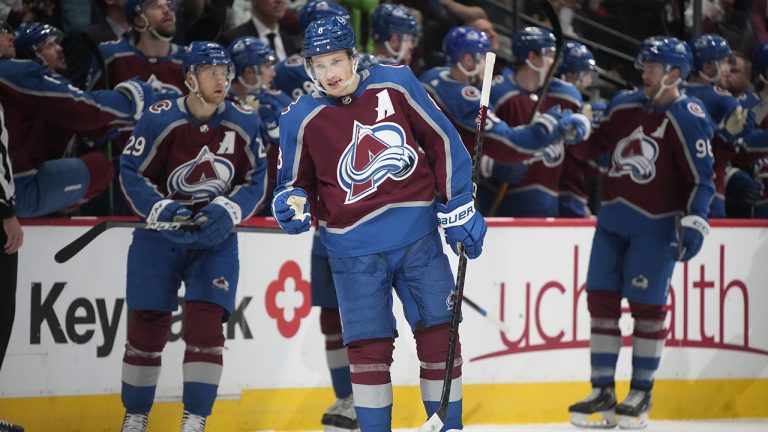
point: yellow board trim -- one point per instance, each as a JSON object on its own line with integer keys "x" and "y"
{"x": 301, "y": 409}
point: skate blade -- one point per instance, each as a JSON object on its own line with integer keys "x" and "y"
{"x": 639, "y": 422}
{"x": 598, "y": 420}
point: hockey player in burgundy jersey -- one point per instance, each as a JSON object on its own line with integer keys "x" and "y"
{"x": 198, "y": 157}
{"x": 654, "y": 212}
{"x": 711, "y": 54}
{"x": 379, "y": 166}
{"x": 254, "y": 71}
{"x": 45, "y": 107}
{"x": 505, "y": 148}
{"x": 512, "y": 99}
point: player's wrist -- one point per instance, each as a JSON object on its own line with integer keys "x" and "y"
{"x": 232, "y": 208}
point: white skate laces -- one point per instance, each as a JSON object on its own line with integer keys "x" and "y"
{"x": 134, "y": 423}
{"x": 192, "y": 422}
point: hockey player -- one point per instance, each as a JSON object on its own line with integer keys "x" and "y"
{"x": 42, "y": 44}
{"x": 197, "y": 158}
{"x": 512, "y": 99}
{"x": 44, "y": 102}
{"x": 290, "y": 76}
{"x": 660, "y": 172}
{"x": 395, "y": 34}
{"x": 453, "y": 89}
{"x": 711, "y": 55}
{"x": 374, "y": 160}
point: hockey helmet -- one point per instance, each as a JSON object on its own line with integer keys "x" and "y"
{"x": 29, "y": 36}
{"x": 708, "y": 48}
{"x": 249, "y": 51}
{"x": 206, "y": 53}
{"x": 536, "y": 39}
{"x": 576, "y": 58}
{"x": 327, "y": 35}
{"x": 134, "y": 8}
{"x": 465, "y": 40}
{"x": 668, "y": 51}
{"x": 388, "y": 19}
{"x": 314, "y": 10}
{"x": 6, "y": 28}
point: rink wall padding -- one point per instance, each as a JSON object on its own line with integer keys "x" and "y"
{"x": 62, "y": 371}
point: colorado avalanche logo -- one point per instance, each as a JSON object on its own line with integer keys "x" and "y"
{"x": 202, "y": 179}
{"x": 551, "y": 155}
{"x": 635, "y": 156}
{"x": 163, "y": 87}
{"x": 375, "y": 153}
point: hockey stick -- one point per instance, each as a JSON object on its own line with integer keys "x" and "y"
{"x": 73, "y": 248}
{"x": 435, "y": 423}
{"x": 549, "y": 11}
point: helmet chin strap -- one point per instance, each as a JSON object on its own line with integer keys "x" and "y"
{"x": 397, "y": 54}
{"x": 319, "y": 87}
{"x": 472, "y": 75}
{"x": 254, "y": 86}
{"x": 195, "y": 89}
{"x": 663, "y": 87}
{"x": 541, "y": 71}
{"x": 152, "y": 30}
{"x": 714, "y": 79}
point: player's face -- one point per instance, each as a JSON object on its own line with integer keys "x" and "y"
{"x": 652, "y": 75}
{"x": 213, "y": 82}
{"x": 7, "y": 50}
{"x": 161, "y": 17}
{"x": 266, "y": 74}
{"x": 334, "y": 72}
{"x": 52, "y": 54}
{"x": 739, "y": 77}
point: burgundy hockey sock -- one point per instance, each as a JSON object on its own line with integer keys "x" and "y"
{"x": 147, "y": 335}
{"x": 203, "y": 357}
{"x": 432, "y": 350}
{"x": 369, "y": 363}
{"x": 605, "y": 339}
{"x": 648, "y": 339}
{"x": 336, "y": 352}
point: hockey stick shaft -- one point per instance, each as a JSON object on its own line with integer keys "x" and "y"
{"x": 436, "y": 421}
{"x": 482, "y": 311}
{"x": 73, "y": 248}
{"x": 549, "y": 11}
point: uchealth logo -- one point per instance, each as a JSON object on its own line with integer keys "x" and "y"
{"x": 288, "y": 299}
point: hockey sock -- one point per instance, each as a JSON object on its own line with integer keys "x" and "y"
{"x": 647, "y": 342}
{"x": 432, "y": 349}
{"x": 203, "y": 359}
{"x": 147, "y": 335}
{"x": 336, "y": 352}
{"x": 605, "y": 339}
{"x": 369, "y": 363}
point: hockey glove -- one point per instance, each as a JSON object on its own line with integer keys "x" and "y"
{"x": 691, "y": 233}
{"x": 139, "y": 94}
{"x": 168, "y": 210}
{"x": 508, "y": 173}
{"x": 743, "y": 188}
{"x": 291, "y": 210}
{"x": 216, "y": 220}
{"x": 577, "y": 128}
{"x": 549, "y": 122}
{"x": 462, "y": 224}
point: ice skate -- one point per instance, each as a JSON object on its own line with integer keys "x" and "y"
{"x": 133, "y": 423}
{"x": 341, "y": 416}
{"x": 10, "y": 427}
{"x": 633, "y": 412}
{"x": 192, "y": 422}
{"x": 596, "y": 410}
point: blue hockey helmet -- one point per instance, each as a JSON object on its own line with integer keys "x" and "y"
{"x": 249, "y": 51}
{"x": 205, "y": 53}
{"x": 465, "y": 40}
{"x": 388, "y": 19}
{"x": 327, "y": 35}
{"x": 576, "y": 58}
{"x": 709, "y": 48}
{"x": 668, "y": 51}
{"x": 536, "y": 39}
{"x": 760, "y": 61}
{"x": 314, "y": 10}
{"x": 134, "y": 8}
{"x": 29, "y": 36}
